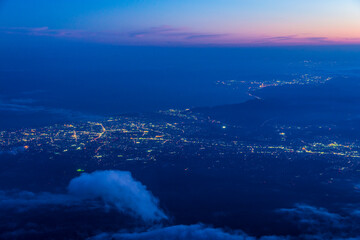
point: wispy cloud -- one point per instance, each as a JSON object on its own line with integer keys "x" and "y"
{"x": 155, "y": 35}
{"x": 181, "y": 232}
{"x": 206, "y": 36}
{"x": 23, "y": 100}
{"x": 171, "y": 32}
{"x": 45, "y": 31}
{"x": 282, "y": 38}
{"x": 299, "y": 40}
{"x": 168, "y": 35}
{"x": 30, "y": 106}
{"x": 162, "y": 30}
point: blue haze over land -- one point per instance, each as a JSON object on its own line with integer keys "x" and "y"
{"x": 46, "y": 80}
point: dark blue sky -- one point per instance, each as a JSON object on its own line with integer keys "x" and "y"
{"x": 160, "y": 22}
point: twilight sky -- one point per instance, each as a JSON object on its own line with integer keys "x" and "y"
{"x": 186, "y": 22}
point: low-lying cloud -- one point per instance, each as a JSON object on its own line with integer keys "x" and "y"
{"x": 28, "y": 106}
{"x": 13, "y": 151}
{"x": 313, "y": 218}
{"x": 119, "y": 189}
{"x": 24, "y": 200}
{"x": 183, "y": 232}
{"x": 314, "y": 223}
{"x": 101, "y": 189}
{"x": 320, "y": 223}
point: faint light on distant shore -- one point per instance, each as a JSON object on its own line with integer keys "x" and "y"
{"x": 223, "y": 127}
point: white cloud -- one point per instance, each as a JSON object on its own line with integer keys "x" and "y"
{"x": 106, "y": 189}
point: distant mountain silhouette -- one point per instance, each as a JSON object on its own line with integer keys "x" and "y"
{"x": 329, "y": 103}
